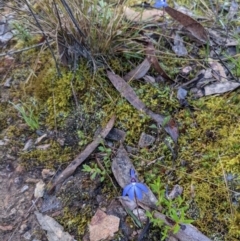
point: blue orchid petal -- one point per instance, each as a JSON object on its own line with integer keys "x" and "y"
{"x": 132, "y": 191}
{"x": 142, "y": 187}
{"x": 126, "y": 189}
{"x": 132, "y": 173}
{"x": 138, "y": 193}
{"x": 160, "y": 4}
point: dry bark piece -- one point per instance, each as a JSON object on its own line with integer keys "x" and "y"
{"x": 194, "y": 27}
{"x": 127, "y": 92}
{"x": 220, "y": 88}
{"x": 218, "y": 70}
{"x": 139, "y": 72}
{"x": 70, "y": 169}
{"x": 103, "y": 226}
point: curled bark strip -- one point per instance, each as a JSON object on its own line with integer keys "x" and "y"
{"x": 83, "y": 155}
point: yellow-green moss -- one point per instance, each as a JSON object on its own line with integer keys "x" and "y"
{"x": 52, "y": 157}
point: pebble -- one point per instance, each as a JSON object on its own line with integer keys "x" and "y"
{"x": 24, "y": 188}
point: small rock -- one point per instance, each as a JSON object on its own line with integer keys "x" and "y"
{"x": 24, "y": 188}
{"x": 18, "y": 180}
{"x": 39, "y": 190}
{"x": 145, "y": 140}
{"x": 103, "y": 226}
{"x": 116, "y": 135}
{"x": 10, "y": 167}
{"x": 27, "y": 236}
{"x": 7, "y": 83}
{"x": 23, "y": 228}
{"x": 46, "y": 173}
{"x": 208, "y": 74}
{"x": 186, "y": 70}
{"x": 2, "y": 143}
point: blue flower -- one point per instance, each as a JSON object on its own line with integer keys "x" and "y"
{"x": 134, "y": 189}
{"x": 160, "y": 4}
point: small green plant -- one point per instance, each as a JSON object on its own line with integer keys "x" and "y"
{"x": 83, "y": 139}
{"x": 175, "y": 210}
{"x": 98, "y": 168}
{"x": 27, "y": 113}
{"x": 21, "y": 32}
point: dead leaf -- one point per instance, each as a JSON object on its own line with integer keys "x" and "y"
{"x": 220, "y": 88}
{"x": 54, "y": 229}
{"x": 127, "y": 92}
{"x": 144, "y": 15}
{"x": 194, "y": 27}
{"x": 218, "y": 70}
{"x": 150, "y": 52}
{"x": 139, "y": 71}
{"x": 103, "y": 226}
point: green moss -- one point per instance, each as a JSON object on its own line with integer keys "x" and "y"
{"x": 52, "y": 157}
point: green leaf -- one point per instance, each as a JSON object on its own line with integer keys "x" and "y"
{"x": 176, "y": 228}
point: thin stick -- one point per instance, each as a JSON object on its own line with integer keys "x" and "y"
{"x": 70, "y": 169}
{"x": 24, "y": 49}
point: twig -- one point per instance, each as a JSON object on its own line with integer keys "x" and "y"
{"x": 24, "y": 49}
{"x": 104, "y": 169}
{"x": 70, "y": 169}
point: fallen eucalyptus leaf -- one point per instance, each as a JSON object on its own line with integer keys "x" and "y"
{"x": 139, "y": 71}
{"x": 127, "y": 92}
{"x": 151, "y": 56}
{"x": 194, "y": 27}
